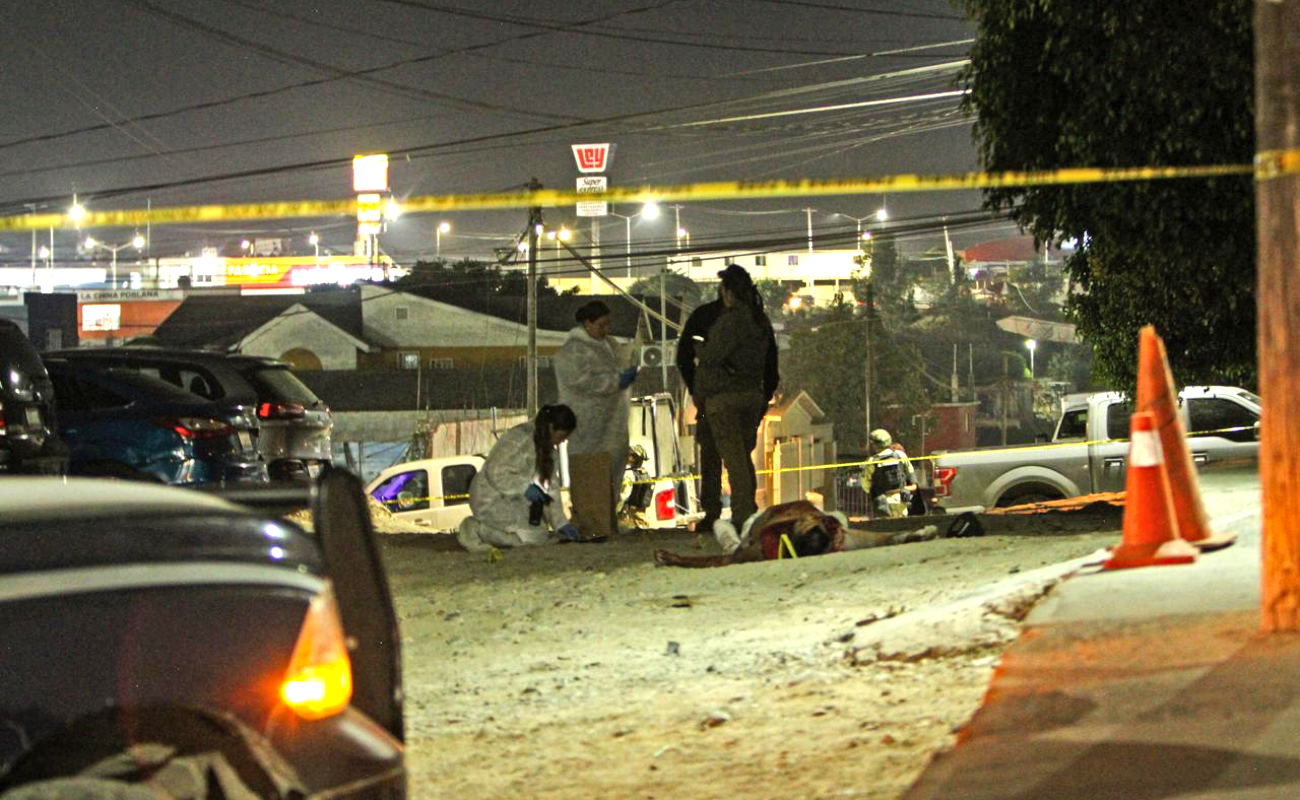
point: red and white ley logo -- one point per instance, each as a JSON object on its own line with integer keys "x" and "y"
{"x": 591, "y": 157}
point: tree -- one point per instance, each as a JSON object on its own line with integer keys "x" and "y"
{"x": 1125, "y": 83}
{"x": 471, "y": 276}
{"x": 674, "y": 284}
{"x": 774, "y": 294}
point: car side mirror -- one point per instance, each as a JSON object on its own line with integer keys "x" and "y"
{"x": 341, "y": 518}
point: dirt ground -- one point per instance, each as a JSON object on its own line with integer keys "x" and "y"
{"x": 585, "y": 671}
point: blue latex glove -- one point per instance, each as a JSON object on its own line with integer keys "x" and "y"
{"x": 534, "y": 494}
{"x": 568, "y": 533}
{"x": 626, "y": 377}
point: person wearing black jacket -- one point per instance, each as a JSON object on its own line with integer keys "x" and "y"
{"x": 693, "y": 336}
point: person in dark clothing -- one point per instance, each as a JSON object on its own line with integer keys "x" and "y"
{"x": 693, "y": 341}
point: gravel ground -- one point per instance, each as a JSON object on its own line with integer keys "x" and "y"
{"x": 585, "y": 671}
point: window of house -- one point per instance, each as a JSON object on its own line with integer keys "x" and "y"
{"x": 792, "y": 260}
{"x": 455, "y": 484}
{"x": 401, "y": 313}
{"x": 442, "y": 363}
{"x": 760, "y": 261}
{"x": 408, "y": 360}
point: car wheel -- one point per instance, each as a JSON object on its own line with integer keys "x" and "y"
{"x": 82, "y": 789}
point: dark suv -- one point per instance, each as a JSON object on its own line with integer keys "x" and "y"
{"x": 295, "y": 423}
{"x": 28, "y": 443}
{"x": 172, "y": 644}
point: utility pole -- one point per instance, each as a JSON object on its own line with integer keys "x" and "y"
{"x": 871, "y": 350}
{"x": 1006, "y": 398}
{"x": 1277, "y": 196}
{"x": 534, "y": 228}
{"x": 809, "y": 212}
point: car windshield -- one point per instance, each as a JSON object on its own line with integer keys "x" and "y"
{"x": 282, "y": 386}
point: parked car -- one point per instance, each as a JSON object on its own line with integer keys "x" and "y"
{"x": 173, "y": 644}
{"x": 28, "y": 441}
{"x": 430, "y": 492}
{"x": 1222, "y": 424}
{"x": 123, "y": 424}
{"x": 295, "y": 423}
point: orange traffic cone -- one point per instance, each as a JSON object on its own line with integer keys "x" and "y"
{"x": 1155, "y": 394}
{"x": 1150, "y": 527}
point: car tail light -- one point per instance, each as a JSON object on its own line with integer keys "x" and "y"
{"x": 198, "y": 427}
{"x": 281, "y": 411}
{"x": 2, "y": 419}
{"x": 943, "y": 480}
{"x": 665, "y": 504}
{"x": 318, "y": 683}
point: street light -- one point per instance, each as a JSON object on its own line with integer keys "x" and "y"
{"x": 443, "y": 227}
{"x": 882, "y": 214}
{"x": 76, "y": 212}
{"x": 138, "y": 242}
{"x": 1032, "y": 345}
{"x": 244, "y": 245}
{"x": 649, "y": 211}
{"x": 314, "y": 240}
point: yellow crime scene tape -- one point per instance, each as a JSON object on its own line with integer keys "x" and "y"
{"x": 1267, "y": 165}
{"x": 955, "y": 455}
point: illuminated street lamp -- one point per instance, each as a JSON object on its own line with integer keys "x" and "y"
{"x": 443, "y": 227}
{"x": 314, "y": 240}
{"x": 1032, "y": 345}
{"x": 76, "y": 212}
{"x": 245, "y": 245}
{"x": 882, "y": 214}
{"x": 648, "y": 211}
{"x": 137, "y": 242}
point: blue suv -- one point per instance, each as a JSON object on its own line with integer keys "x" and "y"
{"x": 123, "y": 424}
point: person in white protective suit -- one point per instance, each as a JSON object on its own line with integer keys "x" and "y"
{"x": 515, "y": 498}
{"x": 594, "y": 381}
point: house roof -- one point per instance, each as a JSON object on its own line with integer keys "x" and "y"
{"x": 220, "y": 321}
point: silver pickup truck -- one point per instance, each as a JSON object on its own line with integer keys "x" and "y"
{"x": 1088, "y": 452}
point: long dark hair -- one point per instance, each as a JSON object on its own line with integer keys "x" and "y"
{"x": 741, "y": 286}
{"x": 560, "y": 418}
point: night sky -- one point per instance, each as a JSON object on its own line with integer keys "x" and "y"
{"x": 285, "y": 83}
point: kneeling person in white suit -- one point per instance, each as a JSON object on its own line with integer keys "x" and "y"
{"x": 515, "y": 498}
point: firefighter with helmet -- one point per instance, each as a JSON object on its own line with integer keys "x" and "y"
{"x": 889, "y": 478}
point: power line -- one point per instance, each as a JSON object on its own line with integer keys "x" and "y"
{"x": 861, "y": 10}
{"x": 363, "y": 76}
{"x": 264, "y": 93}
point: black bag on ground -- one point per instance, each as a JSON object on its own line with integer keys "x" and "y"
{"x": 966, "y": 525}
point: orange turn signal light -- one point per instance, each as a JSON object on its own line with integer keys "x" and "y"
{"x": 318, "y": 682}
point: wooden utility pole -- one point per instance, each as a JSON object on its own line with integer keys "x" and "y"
{"x": 1277, "y": 197}
{"x": 534, "y": 224}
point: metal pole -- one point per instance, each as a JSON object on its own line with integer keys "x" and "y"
{"x": 628, "y": 220}
{"x": 809, "y": 212}
{"x": 871, "y": 323}
{"x": 114, "y": 249}
{"x": 663, "y": 312}
{"x": 437, "y": 237}
{"x": 534, "y": 222}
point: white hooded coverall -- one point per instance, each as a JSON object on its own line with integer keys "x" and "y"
{"x": 496, "y": 497}
{"x": 586, "y": 371}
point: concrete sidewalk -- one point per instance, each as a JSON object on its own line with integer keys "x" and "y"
{"x": 1139, "y": 684}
